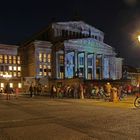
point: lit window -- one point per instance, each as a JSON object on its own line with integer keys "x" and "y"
{"x": 19, "y": 85}
{"x": 49, "y": 58}
{"x": 1, "y": 58}
{"x": 10, "y": 59}
{"x": 40, "y": 69}
{"x": 61, "y": 59}
{"x": 49, "y": 67}
{"x": 2, "y": 85}
{"x": 5, "y": 59}
{"x": 10, "y": 67}
{"x": 40, "y": 57}
{"x": 19, "y": 68}
{"x": 15, "y": 68}
{"x": 11, "y": 85}
{"x": 49, "y": 73}
{"x": 18, "y": 59}
{"x": 1, "y": 73}
{"x": 14, "y": 59}
{"x": 19, "y": 74}
{"x": 61, "y": 75}
{"x": 44, "y": 58}
{"x": 10, "y": 73}
{"x": 14, "y": 74}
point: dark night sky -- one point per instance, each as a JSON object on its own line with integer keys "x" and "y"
{"x": 118, "y": 19}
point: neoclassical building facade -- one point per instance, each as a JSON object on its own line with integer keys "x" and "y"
{"x": 64, "y": 50}
{"x": 80, "y": 51}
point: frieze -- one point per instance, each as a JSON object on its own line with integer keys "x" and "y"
{"x": 90, "y": 45}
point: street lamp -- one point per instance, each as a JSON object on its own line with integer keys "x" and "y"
{"x": 138, "y": 38}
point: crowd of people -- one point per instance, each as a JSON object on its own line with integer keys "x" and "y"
{"x": 9, "y": 91}
{"x": 91, "y": 90}
{"x": 80, "y": 90}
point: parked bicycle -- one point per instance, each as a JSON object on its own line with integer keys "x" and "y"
{"x": 137, "y": 101}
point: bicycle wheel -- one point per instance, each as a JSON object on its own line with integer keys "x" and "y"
{"x": 137, "y": 102}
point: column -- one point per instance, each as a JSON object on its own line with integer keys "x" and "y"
{"x": 65, "y": 63}
{"x": 75, "y": 63}
{"x": 56, "y": 66}
{"x": 85, "y": 65}
{"x": 102, "y": 67}
{"x": 94, "y": 66}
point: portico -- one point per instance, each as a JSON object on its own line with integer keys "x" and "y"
{"x": 86, "y": 58}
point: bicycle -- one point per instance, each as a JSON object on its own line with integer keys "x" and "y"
{"x": 137, "y": 101}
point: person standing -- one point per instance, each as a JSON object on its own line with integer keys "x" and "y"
{"x": 8, "y": 91}
{"x": 31, "y": 91}
{"x": 53, "y": 91}
{"x": 17, "y": 92}
{"x": 81, "y": 90}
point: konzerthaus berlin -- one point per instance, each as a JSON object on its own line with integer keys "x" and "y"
{"x": 65, "y": 50}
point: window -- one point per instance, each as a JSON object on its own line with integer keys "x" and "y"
{"x": 1, "y": 73}
{"x": 45, "y": 70}
{"x": 1, "y": 58}
{"x": 81, "y": 60}
{"x": 10, "y": 59}
{"x": 61, "y": 59}
{"x": 18, "y": 59}
{"x": 44, "y": 58}
{"x": 11, "y": 85}
{"x": 10, "y": 68}
{"x": 14, "y": 68}
{"x": 19, "y": 85}
{"x": 89, "y": 61}
{"x": 14, "y": 74}
{"x": 14, "y": 59}
{"x": 89, "y": 73}
{"x": 19, "y": 68}
{"x": 19, "y": 74}
{"x": 61, "y": 72}
{"x": 1, "y": 68}
{"x": 2, "y": 85}
{"x": 40, "y": 70}
{"x": 6, "y": 68}
{"x": 40, "y": 57}
{"x": 49, "y": 67}
{"x": 10, "y": 73}
{"x": 5, "y": 59}
{"x": 98, "y": 62}
{"x": 49, "y": 58}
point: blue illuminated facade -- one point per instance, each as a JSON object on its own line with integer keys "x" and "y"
{"x": 84, "y": 53}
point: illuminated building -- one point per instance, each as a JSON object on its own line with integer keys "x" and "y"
{"x": 78, "y": 50}
{"x": 64, "y": 50}
{"x": 10, "y": 66}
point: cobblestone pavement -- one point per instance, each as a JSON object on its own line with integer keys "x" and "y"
{"x": 41, "y": 118}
